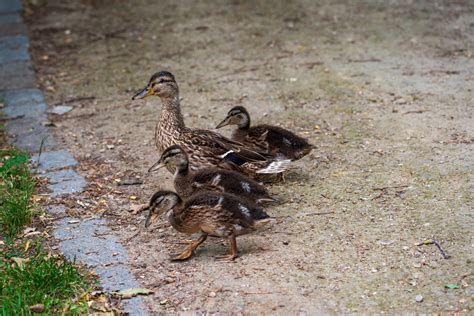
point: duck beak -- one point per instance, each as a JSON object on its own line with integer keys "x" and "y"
{"x": 152, "y": 217}
{"x": 157, "y": 165}
{"x": 225, "y": 122}
{"x": 143, "y": 93}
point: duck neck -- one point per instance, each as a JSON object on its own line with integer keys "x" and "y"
{"x": 171, "y": 116}
{"x": 181, "y": 171}
{"x": 240, "y": 133}
{"x": 174, "y": 215}
{"x": 170, "y": 123}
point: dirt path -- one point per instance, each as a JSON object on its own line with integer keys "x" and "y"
{"x": 383, "y": 90}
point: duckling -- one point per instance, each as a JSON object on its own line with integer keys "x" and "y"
{"x": 205, "y": 148}
{"x": 210, "y": 213}
{"x": 273, "y": 140}
{"x": 187, "y": 182}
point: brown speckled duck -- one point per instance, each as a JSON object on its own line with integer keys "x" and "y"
{"x": 269, "y": 139}
{"x": 205, "y": 148}
{"x": 210, "y": 213}
{"x": 188, "y": 182}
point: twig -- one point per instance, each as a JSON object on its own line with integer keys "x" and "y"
{"x": 368, "y": 60}
{"x": 390, "y": 187}
{"x": 415, "y": 111}
{"x": 77, "y": 99}
{"x": 437, "y": 244}
{"x": 131, "y": 237}
{"x": 131, "y": 182}
{"x": 262, "y": 293}
{"x": 320, "y": 213}
{"x": 12, "y": 118}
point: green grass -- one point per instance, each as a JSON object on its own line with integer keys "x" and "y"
{"x": 43, "y": 279}
{"x": 17, "y": 185}
{"x": 30, "y": 275}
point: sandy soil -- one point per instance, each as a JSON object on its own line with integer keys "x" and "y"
{"x": 383, "y": 88}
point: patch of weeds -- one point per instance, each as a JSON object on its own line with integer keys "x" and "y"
{"x": 36, "y": 278}
{"x": 31, "y": 279}
{"x": 16, "y": 188}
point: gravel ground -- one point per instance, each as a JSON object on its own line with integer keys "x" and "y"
{"x": 382, "y": 88}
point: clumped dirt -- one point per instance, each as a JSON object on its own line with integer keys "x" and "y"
{"x": 384, "y": 89}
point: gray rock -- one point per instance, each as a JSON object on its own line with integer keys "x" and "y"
{"x": 61, "y": 109}
{"x": 56, "y": 209}
{"x": 10, "y": 19}
{"x": 116, "y": 278}
{"x": 14, "y": 48}
{"x": 17, "y": 75}
{"x": 65, "y": 182}
{"x": 419, "y": 298}
{"x": 11, "y": 25}
{"x": 23, "y": 97}
{"x": 10, "y": 6}
{"x": 54, "y": 160}
{"x": 25, "y": 133}
{"x": 87, "y": 242}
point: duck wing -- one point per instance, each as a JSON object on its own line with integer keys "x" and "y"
{"x": 214, "y": 144}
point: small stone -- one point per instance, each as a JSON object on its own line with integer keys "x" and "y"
{"x": 212, "y": 294}
{"x": 419, "y": 298}
{"x": 386, "y": 242}
{"x": 61, "y": 109}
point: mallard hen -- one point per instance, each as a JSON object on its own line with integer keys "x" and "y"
{"x": 205, "y": 148}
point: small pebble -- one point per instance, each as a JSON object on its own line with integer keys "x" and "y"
{"x": 419, "y": 298}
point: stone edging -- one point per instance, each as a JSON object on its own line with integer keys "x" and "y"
{"x": 90, "y": 240}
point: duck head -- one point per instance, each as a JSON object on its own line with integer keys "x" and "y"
{"x": 160, "y": 203}
{"x": 239, "y": 116}
{"x": 161, "y": 84}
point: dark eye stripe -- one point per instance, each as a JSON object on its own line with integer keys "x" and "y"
{"x": 173, "y": 152}
{"x": 164, "y": 80}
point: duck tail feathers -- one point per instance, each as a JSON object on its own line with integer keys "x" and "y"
{"x": 276, "y": 166}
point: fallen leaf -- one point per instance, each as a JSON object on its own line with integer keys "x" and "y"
{"x": 27, "y": 245}
{"x": 163, "y": 302}
{"x": 28, "y": 230}
{"x": 137, "y": 208}
{"x": 20, "y": 262}
{"x": 100, "y": 307}
{"x": 129, "y": 293}
{"x": 37, "y": 308}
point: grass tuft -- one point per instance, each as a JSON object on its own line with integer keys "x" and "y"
{"x": 17, "y": 185}
{"x": 29, "y": 276}
{"x": 38, "y": 277}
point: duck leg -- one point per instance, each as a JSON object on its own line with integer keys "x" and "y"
{"x": 188, "y": 252}
{"x": 233, "y": 250}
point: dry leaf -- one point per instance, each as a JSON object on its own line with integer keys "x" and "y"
{"x": 129, "y": 293}
{"x": 137, "y": 208}
{"x": 20, "y": 262}
{"x": 37, "y": 308}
